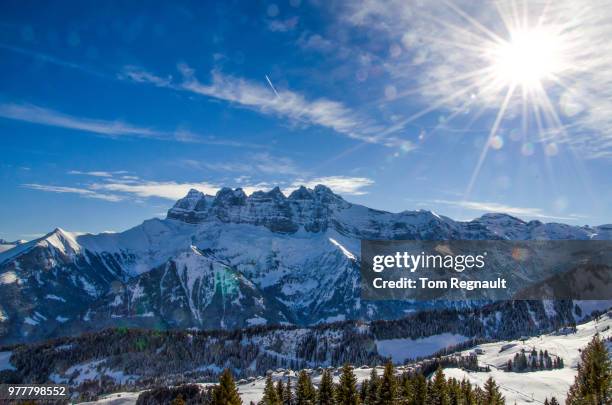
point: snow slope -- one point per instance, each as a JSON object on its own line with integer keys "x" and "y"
{"x": 534, "y": 387}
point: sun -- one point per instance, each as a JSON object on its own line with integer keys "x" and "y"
{"x": 528, "y": 58}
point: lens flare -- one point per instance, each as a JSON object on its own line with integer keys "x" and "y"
{"x": 528, "y": 58}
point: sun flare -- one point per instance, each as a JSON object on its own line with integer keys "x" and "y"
{"x": 528, "y": 58}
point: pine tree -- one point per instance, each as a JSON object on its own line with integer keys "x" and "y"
{"x": 593, "y": 384}
{"x": 388, "y": 386}
{"x": 280, "y": 390}
{"x": 406, "y": 389}
{"x": 373, "y": 387}
{"x": 304, "y": 390}
{"x": 288, "y": 398}
{"x": 454, "y": 392}
{"x": 492, "y": 395}
{"x": 226, "y": 392}
{"x": 325, "y": 395}
{"x": 346, "y": 392}
{"x": 553, "y": 401}
{"x": 420, "y": 390}
{"x": 270, "y": 395}
{"x": 469, "y": 398}
{"x": 438, "y": 393}
{"x": 363, "y": 391}
{"x": 479, "y": 396}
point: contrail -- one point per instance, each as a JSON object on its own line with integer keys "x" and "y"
{"x": 272, "y": 86}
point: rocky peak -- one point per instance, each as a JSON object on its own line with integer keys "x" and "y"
{"x": 190, "y": 201}
{"x": 268, "y": 208}
{"x": 302, "y": 193}
{"x": 228, "y": 197}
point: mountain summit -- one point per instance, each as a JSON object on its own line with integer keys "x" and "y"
{"x": 226, "y": 261}
{"x": 305, "y": 208}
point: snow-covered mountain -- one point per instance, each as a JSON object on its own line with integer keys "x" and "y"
{"x": 226, "y": 261}
{"x": 6, "y": 245}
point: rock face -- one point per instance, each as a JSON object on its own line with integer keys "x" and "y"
{"x": 226, "y": 261}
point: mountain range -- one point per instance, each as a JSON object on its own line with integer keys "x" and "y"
{"x": 227, "y": 261}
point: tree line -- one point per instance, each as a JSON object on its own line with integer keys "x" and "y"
{"x": 592, "y": 386}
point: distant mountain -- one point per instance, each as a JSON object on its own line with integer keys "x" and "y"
{"x": 6, "y": 245}
{"x": 226, "y": 261}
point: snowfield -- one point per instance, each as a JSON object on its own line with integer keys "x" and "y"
{"x": 534, "y": 387}
{"x": 519, "y": 388}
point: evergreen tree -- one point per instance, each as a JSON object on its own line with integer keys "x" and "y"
{"x": 479, "y": 396}
{"x": 363, "y": 391}
{"x": 388, "y": 386}
{"x": 325, "y": 395}
{"x": 288, "y": 398}
{"x": 593, "y": 384}
{"x": 226, "y": 392}
{"x": 438, "y": 392}
{"x": 280, "y": 390}
{"x": 270, "y": 395}
{"x": 406, "y": 389}
{"x": 346, "y": 393}
{"x": 373, "y": 387}
{"x": 469, "y": 398}
{"x": 492, "y": 395}
{"x": 553, "y": 401}
{"x": 304, "y": 390}
{"x": 455, "y": 396}
{"x": 420, "y": 390}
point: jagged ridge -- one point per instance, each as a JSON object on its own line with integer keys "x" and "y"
{"x": 292, "y": 259}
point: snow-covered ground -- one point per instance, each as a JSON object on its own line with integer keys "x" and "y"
{"x": 92, "y": 370}
{"x": 519, "y": 388}
{"x": 119, "y": 398}
{"x": 534, "y": 387}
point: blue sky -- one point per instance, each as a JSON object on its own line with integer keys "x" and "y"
{"x": 110, "y": 113}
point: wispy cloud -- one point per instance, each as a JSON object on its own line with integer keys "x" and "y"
{"x": 170, "y": 190}
{"x": 263, "y": 163}
{"x": 141, "y": 76}
{"x": 83, "y": 192}
{"x": 50, "y": 59}
{"x": 115, "y": 187}
{"x": 340, "y": 184}
{"x": 485, "y": 207}
{"x": 96, "y": 173}
{"x": 289, "y": 104}
{"x": 44, "y": 116}
{"x": 284, "y": 103}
